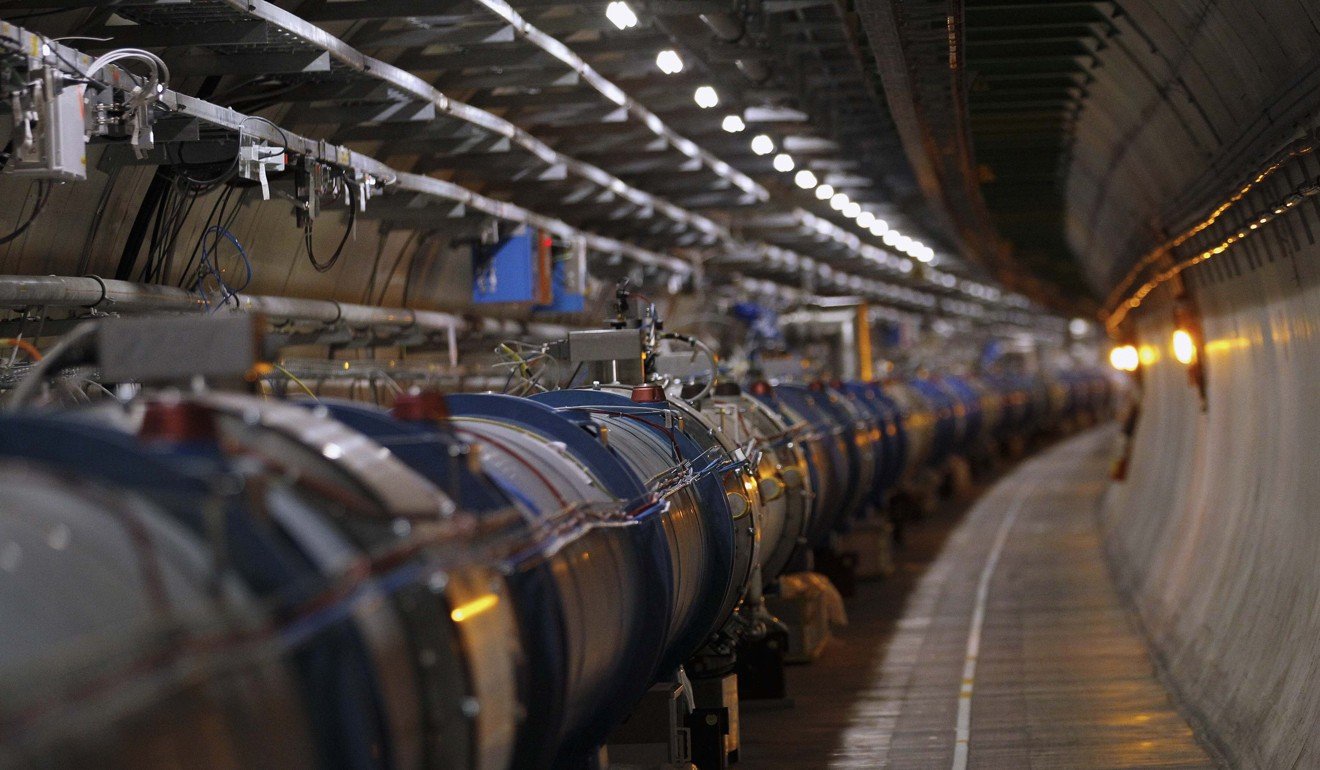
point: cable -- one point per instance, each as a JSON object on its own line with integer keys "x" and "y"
{"x": 160, "y": 71}
{"x": 72, "y": 349}
{"x": 297, "y": 382}
{"x": 710, "y": 354}
{"x": 212, "y": 266}
{"x": 43, "y": 194}
{"x": 283, "y": 134}
{"x": 220, "y": 215}
{"x": 323, "y": 267}
{"x": 23, "y": 345}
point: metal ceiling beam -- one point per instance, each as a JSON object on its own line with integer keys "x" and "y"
{"x": 354, "y": 10}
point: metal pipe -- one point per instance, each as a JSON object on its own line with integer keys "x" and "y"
{"x": 24, "y": 291}
{"x": 50, "y": 291}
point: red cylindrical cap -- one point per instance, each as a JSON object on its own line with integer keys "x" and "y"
{"x": 427, "y": 406}
{"x": 648, "y": 394}
{"x": 178, "y": 421}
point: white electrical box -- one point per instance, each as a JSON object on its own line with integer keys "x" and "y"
{"x": 55, "y": 145}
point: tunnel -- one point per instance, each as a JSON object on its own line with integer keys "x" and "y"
{"x": 659, "y": 384}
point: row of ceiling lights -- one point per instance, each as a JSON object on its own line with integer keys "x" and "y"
{"x": 669, "y": 62}
{"x": 706, "y": 97}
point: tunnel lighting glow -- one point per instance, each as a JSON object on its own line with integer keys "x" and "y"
{"x": 1078, "y": 327}
{"x": 824, "y": 192}
{"x": 733, "y": 124}
{"x": 804, "y": 179}
{"x": 865, "y": 219}
{"x": 1124, "y": 358}
{"x": 762, "y": 144}
{"x": 839, "y": 200}
{"x": 1148, "y": 354}
{"x": 473, "y": 608}
{"x": 669, "y": 61}
{"x": 783, "y": 162}
{"x": 622, "y": 15}
{"x": 1184, "y": 347}
{"x": 891, "y": 237}
{"x": 705, "y": 97}
{"x": 902, "y": 243}
{"x": 925, "y": 255}
{"x": 879, "y": 228}
{"x": 852, "y": 210}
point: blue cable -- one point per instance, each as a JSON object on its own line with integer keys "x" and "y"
{"x": 210, "y": 238}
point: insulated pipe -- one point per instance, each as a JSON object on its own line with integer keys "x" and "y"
{"x": 50, "y": 291}
{"x": 106, "y": 571}
{"x": 25, "y": 291}
{"x": 349, "y": 549}
{"x": 431, "y": 610}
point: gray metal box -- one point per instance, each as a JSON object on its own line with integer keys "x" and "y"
{"x": 60, "y": 150}
{"x": 177, "y": 348}
{"x": 604, "y": 345}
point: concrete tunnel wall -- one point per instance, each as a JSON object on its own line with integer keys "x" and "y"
{"x": 1215, "y": 534}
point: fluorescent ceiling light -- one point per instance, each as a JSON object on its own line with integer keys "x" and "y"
{"x": 622, "y": 16}
{"x": 669, "y": 62}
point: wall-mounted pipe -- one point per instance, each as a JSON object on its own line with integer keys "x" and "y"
{"x": 109, "y": 295}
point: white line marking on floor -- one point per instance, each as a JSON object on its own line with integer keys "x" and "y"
{"x": 964, "y": 728}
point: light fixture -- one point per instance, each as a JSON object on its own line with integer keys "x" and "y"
{"x": 705, "y": 97}
{"x": 902, "y": 243}
{"x": 762, "y": 144}
{"x": 824, "y": 192}
{"x": 622, "y": 15}
{"x": 879, "y": 227}
{"x": 891, "y": 237}
{"x": 1184, "y": 347}
{"x": 733, "y": 124}
{"x": 838, "y": 201}
{"x": 1078, "y": 327}
{"x": 865, "y": 219}
{"x": 805, "y": 179}
{"x": 852, "y": 210}
{"x": 925, "y": 254}
{"x": 669, "y": 61}
{"x": 783, "y": 162}
{"x": 1125, "y": 358}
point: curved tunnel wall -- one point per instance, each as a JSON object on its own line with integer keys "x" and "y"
{"x": 1181, "y": 99}
{"x": 1216, "y": 531}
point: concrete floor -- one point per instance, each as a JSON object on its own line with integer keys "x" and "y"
{"x": 1060, "y": 678}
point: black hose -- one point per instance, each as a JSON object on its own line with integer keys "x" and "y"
{"x": 323, "y": 267}
{"x": 43, "y": 194}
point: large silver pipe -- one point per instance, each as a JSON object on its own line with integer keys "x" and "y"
{"x": 109, "y": 295}
{"x": 25, "y": 291}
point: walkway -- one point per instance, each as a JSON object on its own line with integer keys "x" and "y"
{"x": 1000, "y": 644}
